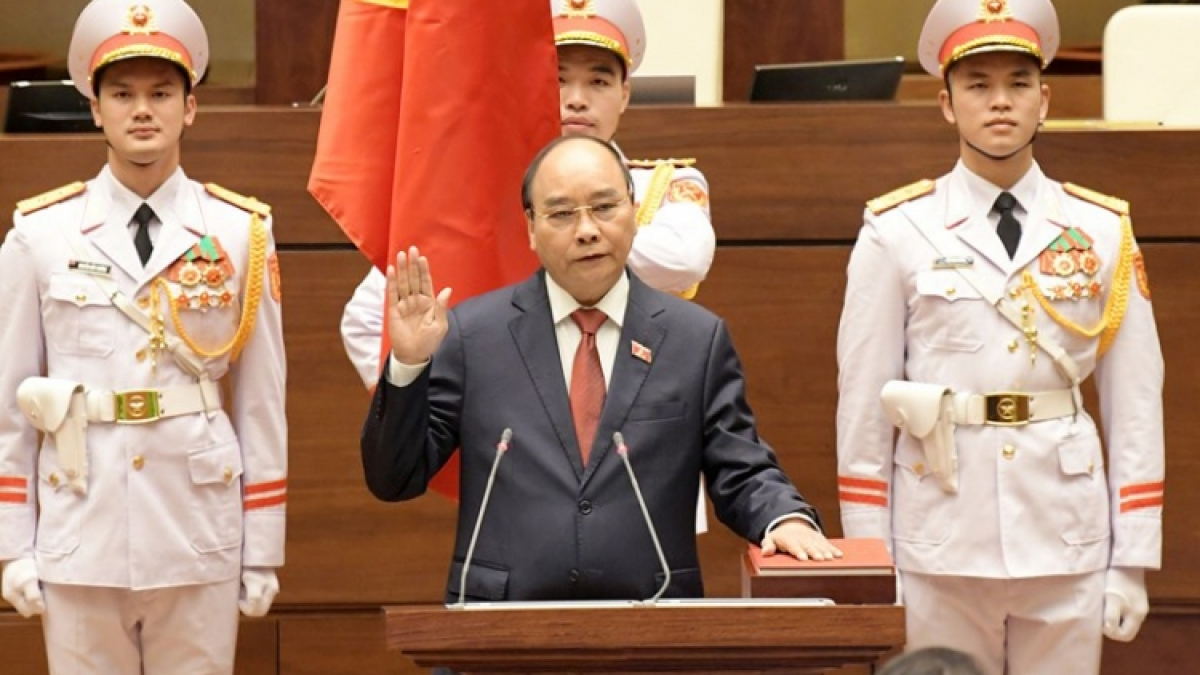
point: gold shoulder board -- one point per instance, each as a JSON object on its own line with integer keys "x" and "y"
{"x": 651, "y": 163}
{"x": 241, "y": 201}
{"x": 1117, "y": 206}
{"x": 909, "y": 192}
{"x": 28, "y": 206}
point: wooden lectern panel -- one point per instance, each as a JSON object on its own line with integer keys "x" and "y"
{"x": 697, "y": 639}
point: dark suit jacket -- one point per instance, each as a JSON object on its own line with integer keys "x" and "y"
{"x": 555, "y": 529}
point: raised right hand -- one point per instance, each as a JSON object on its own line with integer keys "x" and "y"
{"x": 417, "y": 321}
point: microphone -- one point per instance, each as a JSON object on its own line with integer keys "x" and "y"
{"x": 501, "y": 448}
{"x": 623, "y": 452}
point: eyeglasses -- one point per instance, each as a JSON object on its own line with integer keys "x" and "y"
{"x": 563, "y": 218}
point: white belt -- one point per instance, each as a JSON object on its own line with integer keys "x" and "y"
{"x": 138, "y": 406}
{"x": 1010, "y": 409}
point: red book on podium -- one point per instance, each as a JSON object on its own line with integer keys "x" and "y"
{"x": 864, "y": 575}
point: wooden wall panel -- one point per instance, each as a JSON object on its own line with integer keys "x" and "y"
{"x": 338, "y": 644}
{"x": 778, "y": 31}
{"x": 293, "y": 41}
{"x": 778, "y": 173}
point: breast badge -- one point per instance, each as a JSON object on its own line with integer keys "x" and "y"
{"x": 1073, "y": 261}
{"x": 202, "y": 273}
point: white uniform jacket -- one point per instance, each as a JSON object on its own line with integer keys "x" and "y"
{"x": 1033, "y": 500}
{"x": 182, "y": 500}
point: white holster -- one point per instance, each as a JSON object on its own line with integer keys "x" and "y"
{"x": 926, "y": 412}
{"x": 59, "y": 408}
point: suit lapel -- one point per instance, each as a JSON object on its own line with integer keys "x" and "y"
{"x": 1047, "y": 221}
{"x": 974, "y": 230}
{"x": 533, "y": 333}
{"x": 629, "y": 370}
{"x": 182, "y": 227}
{"x": 107, "y": 231}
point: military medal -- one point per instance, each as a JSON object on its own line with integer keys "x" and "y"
{"x": 201, "y": 273}
{"x": 1068, "y": 257}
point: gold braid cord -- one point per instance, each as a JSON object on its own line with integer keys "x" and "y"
{"x": 660, "y": 181}
{"x": 250, "y": 302}
{"x": 1118, "y": 296}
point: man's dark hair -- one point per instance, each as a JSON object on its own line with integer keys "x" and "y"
{"x": 933, "y": 661}
{"x": 98, "y": 76}
{"x": 536, "y": 165}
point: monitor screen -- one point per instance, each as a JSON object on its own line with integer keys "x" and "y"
{"x": 866, "y": 80}
{"x": 52, "y": 106}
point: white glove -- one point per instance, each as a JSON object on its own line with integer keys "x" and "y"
{"x": 259, "y": 587}
{"x": 1125, "y": 602}
{"x": 21, "y": 589}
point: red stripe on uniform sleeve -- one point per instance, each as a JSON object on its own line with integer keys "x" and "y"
{"x": 264, "y": 502}
{"x": 259, "y": 488}
{"x": 1146, "y": 503}
{"x": 864, "y": 483}
{"x": 1142, "y": 488}
{"x": 860, "y": 498}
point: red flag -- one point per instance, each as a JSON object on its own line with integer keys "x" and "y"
{"x": 354, "y": 167}
{"x": 480, "y": 98}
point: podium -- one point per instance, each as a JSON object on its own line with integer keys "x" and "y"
{"x": 698, "y": 637}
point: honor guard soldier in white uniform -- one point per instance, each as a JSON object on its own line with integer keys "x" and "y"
{"x": 600, "y": 45}
{"x": 149, "y": 514}
{"x": 976, "y": 306}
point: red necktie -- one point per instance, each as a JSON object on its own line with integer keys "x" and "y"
{"x": 587, "y": 380}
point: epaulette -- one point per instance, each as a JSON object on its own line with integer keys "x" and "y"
{"x": 1117, "y": 206}
{"x": 909, "y": 192}
{"x": 241, "y": 201}
{"x": 28, "y": 206}
{"x": 651, "y": 163}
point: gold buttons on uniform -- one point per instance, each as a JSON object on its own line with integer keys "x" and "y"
{"x": 919, "y": 469}
{"x": 138, "y": 462}
{"x": 1014, "y": 292}
{"x": 228, "y": 475}
{"x": 81, "y": 298}
{"x": 950, "y": 291}
{"x": 1009, "y": 451}
{"x": 1013, "y": 345}
{"x": 54, "y": 480}
{"x": 143, "y": 302}
{"x": 141, "y": 355}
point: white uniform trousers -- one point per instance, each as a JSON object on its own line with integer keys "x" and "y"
{"x": 95, "y": 630}
{"x": 1034, "y": 626}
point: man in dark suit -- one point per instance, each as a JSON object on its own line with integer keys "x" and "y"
{"x": 579, "y": 351}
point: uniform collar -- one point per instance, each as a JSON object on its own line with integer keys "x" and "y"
{"x": 983, "y": 194}
{"x": 613, "y": 304}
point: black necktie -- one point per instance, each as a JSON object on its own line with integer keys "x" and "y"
{"x": 1009, "y": 228}
{"x": 141, "y": 239}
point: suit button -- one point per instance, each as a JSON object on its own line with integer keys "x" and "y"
{"x": 138, "y": 463}
{"x": 228, "y": 475}
{"x": 573, "y": 576}
{"x": 1009, "y": 451}
{"x": 585, "y": 507}
{"x": 54, "y": 480}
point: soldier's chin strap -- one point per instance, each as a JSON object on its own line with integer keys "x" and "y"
{"x": 1067, "y": 367}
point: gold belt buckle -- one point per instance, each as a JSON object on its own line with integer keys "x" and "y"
{"x": 136, "y": 407}
{"x": 1006, "y": 409}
